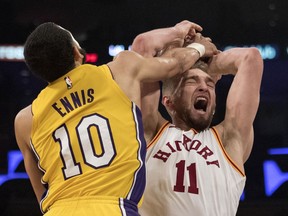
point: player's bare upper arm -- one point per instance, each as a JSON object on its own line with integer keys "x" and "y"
{"x": 244, "y": 94}
{"x": 23, "y": 125}
{"x": 243, "y": 101}
{"x": 152, "y": 119}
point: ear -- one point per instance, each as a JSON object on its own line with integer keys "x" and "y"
{"x": 78, "y": 57}
{"x": 168, "y": 103}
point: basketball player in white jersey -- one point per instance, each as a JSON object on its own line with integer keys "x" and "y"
{"x": 192, "y": 168}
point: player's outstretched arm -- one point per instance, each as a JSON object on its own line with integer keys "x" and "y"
{"x": 152, "y": 43}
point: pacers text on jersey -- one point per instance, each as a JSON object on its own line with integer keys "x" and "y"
{"x": 76, "y": 99}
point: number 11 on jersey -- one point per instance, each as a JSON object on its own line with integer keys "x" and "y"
{"x": 191, "y": 169}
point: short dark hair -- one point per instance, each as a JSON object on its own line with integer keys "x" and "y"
{"x": 48, "y": 51}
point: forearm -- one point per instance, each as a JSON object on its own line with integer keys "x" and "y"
{"x": 184, "y": 59}
{"x": 231, "y": 61}
{"x": 173, "y": 62}
{"x": 152, "y": 42}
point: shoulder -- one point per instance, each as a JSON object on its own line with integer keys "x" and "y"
{"x": 24, "y": 114}
{"x": 127, "y": 64}
{"x": 154, "y": 127}
{"x": 227, "y": 133}
{"x": 23, "y": 119}
{"x": 232, "y": 142}
{"x": 126, "y": 56}
{"x": 126, "y": 59}
{"x": 23, "y": 125}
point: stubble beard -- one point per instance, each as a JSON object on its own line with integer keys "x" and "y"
{"x": 197, "y": 123}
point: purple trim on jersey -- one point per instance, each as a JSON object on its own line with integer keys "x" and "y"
{"x": 139, "y": 182}
{"x": 128, "y": 208}
{"x": 45, "y": 184}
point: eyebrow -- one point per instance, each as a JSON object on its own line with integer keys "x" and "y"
{"x": 191, "y": 77}
{"x": 196, "y": 77}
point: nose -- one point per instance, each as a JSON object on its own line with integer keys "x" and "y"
{"x": 203, "y": 86}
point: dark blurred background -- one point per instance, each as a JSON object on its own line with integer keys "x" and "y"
{"x": 98, "y": 25}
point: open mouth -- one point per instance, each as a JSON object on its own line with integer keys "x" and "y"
{"x": 201, "y": 104}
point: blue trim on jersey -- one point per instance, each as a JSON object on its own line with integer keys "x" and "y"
{"x": 139, "y": 182}
{"x": 128, "y": 208}
{"x": 45, "y": 184}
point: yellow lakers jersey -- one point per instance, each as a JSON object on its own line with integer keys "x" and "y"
{"x": 88, "y": 138}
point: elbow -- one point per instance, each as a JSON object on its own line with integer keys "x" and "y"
{"x": 254, "y": 59}
{"x": 139, "y": 44}
{"x": 254, "y": 55}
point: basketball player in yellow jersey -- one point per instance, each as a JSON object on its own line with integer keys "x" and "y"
{"x": 82, "y": 137}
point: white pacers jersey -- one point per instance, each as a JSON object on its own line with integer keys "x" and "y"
{"x": 189, "y": 173}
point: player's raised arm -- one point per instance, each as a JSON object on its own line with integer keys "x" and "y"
{"x": 243, "y": 98}
{"x": 153, "y": 42}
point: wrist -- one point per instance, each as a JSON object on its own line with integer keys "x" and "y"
{"x": 199, "y": 47}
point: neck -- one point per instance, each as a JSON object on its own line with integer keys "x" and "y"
{"x": 180, "y": 124}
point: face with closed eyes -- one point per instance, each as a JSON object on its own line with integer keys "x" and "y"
{"x": 193, "y": 101}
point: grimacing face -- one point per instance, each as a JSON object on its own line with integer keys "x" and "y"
{"x": 194, "y": 100}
